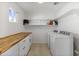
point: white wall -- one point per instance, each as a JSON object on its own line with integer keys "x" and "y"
{"x": 3, "y": 17}
{"x": 67, "y": 8}
{"x": 70, "y": 23}
{"x": 7, "y": 28}
{"x": 40, "y": 32}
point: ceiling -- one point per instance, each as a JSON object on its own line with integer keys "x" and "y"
{"x": 43, "y": 7}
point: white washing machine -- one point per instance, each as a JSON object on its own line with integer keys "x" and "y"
{"x": 61, "y": 45}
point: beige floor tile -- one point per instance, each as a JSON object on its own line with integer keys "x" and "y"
{"x": 39, "y": 50}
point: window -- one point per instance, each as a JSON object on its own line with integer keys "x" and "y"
{"x": 12, "y": 15}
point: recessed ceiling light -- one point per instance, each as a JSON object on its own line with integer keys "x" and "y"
{"x": 40, "y": 2}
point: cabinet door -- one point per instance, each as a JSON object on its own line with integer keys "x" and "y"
{"x": 22, "y": 47}
{"x": 13, "y": 51}
{"x": 22, "y": 51}
{"x": 30, "y": 39}
{"x": 63, "y": 47}
{"x": 28, "y": 43}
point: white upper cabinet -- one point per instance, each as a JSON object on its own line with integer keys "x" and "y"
{"x": 38, "y": 22}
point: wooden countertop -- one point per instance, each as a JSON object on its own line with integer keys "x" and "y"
{"x": 9, "y": 41}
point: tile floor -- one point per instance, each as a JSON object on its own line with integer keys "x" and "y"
{"x": 39, "y": 50}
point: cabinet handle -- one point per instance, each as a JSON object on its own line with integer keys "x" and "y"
{"x": 23, "y": 47}
{"x": 30, "y": 40}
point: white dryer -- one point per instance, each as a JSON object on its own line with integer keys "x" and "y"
{"x": 61, "y": 45}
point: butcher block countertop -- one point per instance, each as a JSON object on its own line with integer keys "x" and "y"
{"x": 9, "y": 41}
